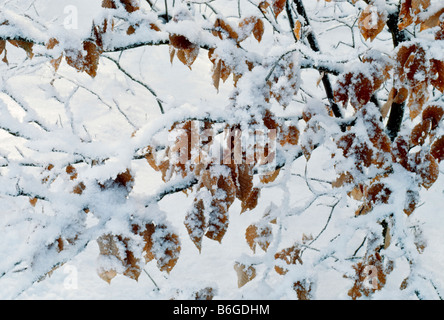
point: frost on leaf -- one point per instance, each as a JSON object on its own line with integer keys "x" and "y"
{"x": 420, "y": 132}
{"x": 289, "y": 256}
{"x": 371, "y": 22}
{"x": 86, "y": 60}
{"x": 244, "y": 273}
{"x": 116, "y": 257}
{"x": 411, "y": 201}
{"x": 410, "y": 10}
{"x": 426, "y": 168}
{"x": 413, "y": 71}
{"x": 370, "y": 276}
{"x": 161, "y": 244}
{"x": 195, "y": 223}
{"x": 259, "y": 234}
{"x": 303, "y": 289}
{"x": 434, "y": 113}
{"x": 223, "y": 29}
{"x": 209, "y": 213}
{"x": 378, "y": 193}
{"x": 185, "y": 50}
{"x": 278, "y": 7}
{"x": 437, "y": 149}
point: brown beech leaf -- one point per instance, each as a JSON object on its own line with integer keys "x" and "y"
{"x": 91, "y": 59}
{"x": 432, "y": 20}
{"x": 290, "y": 135}
{"x": 223, "y": 29}
{"x": 289, "y": 256}
{"x": 437, "y": 69}
{"x": 56, "y": 62}
{"x": 79, "y": 188}
{"x": 263, "y": 6}
{"x": 33, "y": 201}
{"x": 88, "y": 63}
{"x": 427, "y": 168}
{"x": 371, "y": 22}
{"x": 217, "y": 74}
{"x": 150, "y": 158}
{"x": 343, "y": 179}
{"x": 370, "y": 269}
{"x": 52, "y": 43}
{"x": 118, "y": 247}
{"x": 217, "y": 221}
{"x": 437, "y": 149}
{"x": 147, "y": 235}
{"x": 378, "y": 193}
{"x": 180, "y": 42}
{"x": 270, "y": 177}
{"x": 195, "y": 223}
{"x": 405, "y": 14}
{"x": 303, "y": 290}
{"x": 278, "y": 7}
{"x": 258, "y": 30}
{"x": 401, "y": 95}
{"x": 130, "y": 5}
{"x": 161, "y": 244}
{"x": 207, "y": 293}
{"x": 297, "y": 31}
{"x": 244, "y": 273}
{"x": 420, "y": 132}
{"x": 188, "y": 56}
{"x": 258, "y": 234}
{"x": 25, "y": 45}
{"x": 411, "y": 201}
{"x": 246, "y": 27}
{"x": 2, "y": 46}
{"x": 251, "y": 201}
{"x": 109, "y": 4}
{"x": 172, "y": 51}
{"x": 418, "y": 98}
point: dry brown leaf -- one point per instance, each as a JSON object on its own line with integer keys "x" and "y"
{"x": 251, "y": 201}
{"x": 25, "y": 45}
{"x": 420, "y": 132}
{"x": 223, "y": 28}
{"x": 258, "y": 234}
{"x": 278, "y": 7}
{"x": 188, "y": 56}
{"x": 270, "y": 177}
{"x": 217, "y": 221}
{"x": 437, "y": 69}
{"x": 437, "y": 149}
{"x": 289, "y": 256}
{"x": 79, "y": 188}
{"x": 161, "y": 244}
{"x": 217, "y": 74}
{"x": 432, "y": 21}
{"x": 33, "y": 201}
{"x": 195, "y": 223}
{"x": 244, "y": 274}
{"x": 343, "y": 179}
{"x": 371, "y": 22}
{"x": 258, "y": 30}
{"x": 405, "y": 16}
{"x": 303, "y": 290}
{"x": 297, "y": 29}
{"x": 2, "y": 46}
{"x": 180, "y": 42}
{"x": 263, "y": 6}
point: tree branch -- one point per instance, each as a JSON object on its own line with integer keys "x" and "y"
{"x": 315, "y": 47}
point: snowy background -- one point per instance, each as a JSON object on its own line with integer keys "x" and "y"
{"x": 78, "y": 279}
